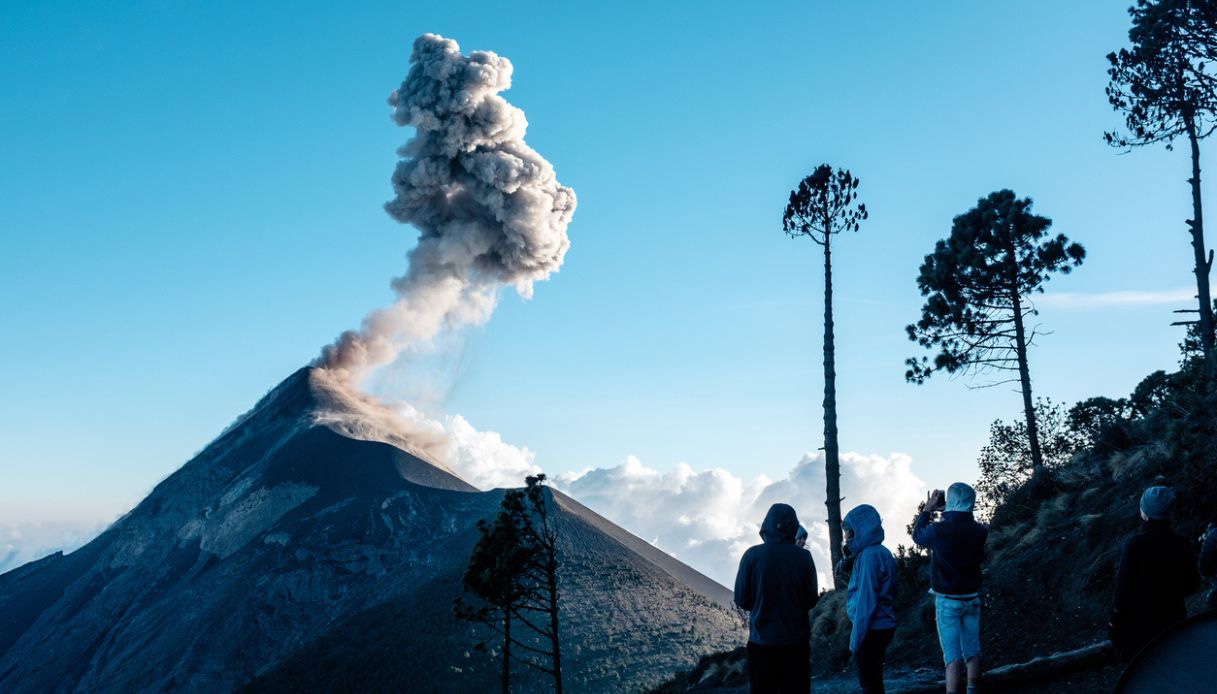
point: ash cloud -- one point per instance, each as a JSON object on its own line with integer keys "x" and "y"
{"x": 489, "y": 210}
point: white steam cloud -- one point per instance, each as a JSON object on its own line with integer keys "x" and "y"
{"x": 489, "y": 209}
{"x": 708, "y": 518}
{"x": 481, "y": 458}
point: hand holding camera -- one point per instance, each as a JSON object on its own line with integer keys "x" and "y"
{"x": 936, "y": 500}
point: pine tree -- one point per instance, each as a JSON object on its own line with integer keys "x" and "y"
{"x": 1166, "y": 87}
{"x": 979, "y": 282}
{"x": 825, "y": 204}
{"x": 513, "y": 572}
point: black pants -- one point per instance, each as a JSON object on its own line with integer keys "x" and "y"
{"x": 870, "y": 659}
{"x": 779, "y": 669}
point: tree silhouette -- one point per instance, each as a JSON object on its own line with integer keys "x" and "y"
{"x": 1165, "y": 87}
{"x": 493, "y": 575}
{"x": 1005, "y": 461}
{"x": 978, "y": 282}
{"x": 513, "y": 571}
{"x": 824, "y": 205}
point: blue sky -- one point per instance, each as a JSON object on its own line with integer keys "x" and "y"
{"x": 193, "y": 199}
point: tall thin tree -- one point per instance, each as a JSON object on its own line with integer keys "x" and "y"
{"x": 1166, "y": 87}
{"x": 978, "y": 284}
{"x": 824, "y": 204}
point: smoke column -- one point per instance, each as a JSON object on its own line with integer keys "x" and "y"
{"x": 489, "y": 209}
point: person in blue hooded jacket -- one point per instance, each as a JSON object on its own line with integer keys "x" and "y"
{"x": 777, "y": 585}
{"x": 871, "y": 594}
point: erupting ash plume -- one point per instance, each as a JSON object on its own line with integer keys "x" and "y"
{"x": 489, "y": 208}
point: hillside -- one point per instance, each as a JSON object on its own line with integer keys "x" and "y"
{"x": 317, "y": 522}
{"x": 1052, "y": 553}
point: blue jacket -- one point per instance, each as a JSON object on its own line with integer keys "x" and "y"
{"x": 872, "y": 585}
{"x": 957, "y": 549}
{"x": 776, "y": 583}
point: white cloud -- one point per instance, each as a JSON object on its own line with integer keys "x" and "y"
{"x": 484, "y": 460}
{"x": 24, "y": 542}
{"x": 481, "y": 458}
{"x": 1117, "y": 299}
{"x": 707, "y": 519}
{"x": 704, "y": 518}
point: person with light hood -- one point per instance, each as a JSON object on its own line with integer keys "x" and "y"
{"x": 957, "y": 550}
{"x": 1157, "y": 574}
{"x": 776, "y": 584}
{"x": 871, "y": 594}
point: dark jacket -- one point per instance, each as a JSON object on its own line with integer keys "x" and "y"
{"x": 957, "y": 547}
{"x": 776, "y": 583}
{"x": 1208, "y": 562}
{"x": 1157, "y": 573}
{"x": 1208, "y": 553}
{"x": 872, "y": 584}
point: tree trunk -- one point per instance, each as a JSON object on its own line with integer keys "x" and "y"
{"x": 1015, "y": 676}
{"x": 506, "y": 650}
{"x": 832, "y": 463}
{"x": 1203, "y": 264}
{"x": 1024, "y": 379}
{"x": 549, "y": 544}
{"x": 551, "y": 577}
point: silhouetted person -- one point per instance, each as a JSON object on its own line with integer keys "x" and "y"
{"x": 776, "y": 584}
{"x": 1157, "y": 573}
{"x": 957, "y": 549}
{"x": 1208, "y": 562}
{"x": 871, "y": 594}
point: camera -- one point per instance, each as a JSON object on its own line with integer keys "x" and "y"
{"x": 941, "y": 504}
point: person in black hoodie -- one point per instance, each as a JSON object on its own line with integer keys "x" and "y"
{"x": 777, "y": 585}
{"x": 957, "y": 549}
{"x": 1157, "y": 573}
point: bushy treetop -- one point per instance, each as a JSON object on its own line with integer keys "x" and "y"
{"x": 997, "y": 253}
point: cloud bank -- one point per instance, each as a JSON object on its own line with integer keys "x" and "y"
{"x": 705, "y": 518}
{"x": 708, "y": 518}
{"x": 24, "y": 542}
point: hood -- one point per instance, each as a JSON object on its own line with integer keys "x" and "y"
{"x": 961, "y": 497}
{"x": 780, "y": 525}
{"x": 867, "y": 527}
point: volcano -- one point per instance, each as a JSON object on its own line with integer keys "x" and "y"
{"x": 315, "y": 544}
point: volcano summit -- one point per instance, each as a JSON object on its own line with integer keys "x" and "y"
{"x": 314, "y": 541}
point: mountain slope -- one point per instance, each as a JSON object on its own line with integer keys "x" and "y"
{"x": 313, "y": 509}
